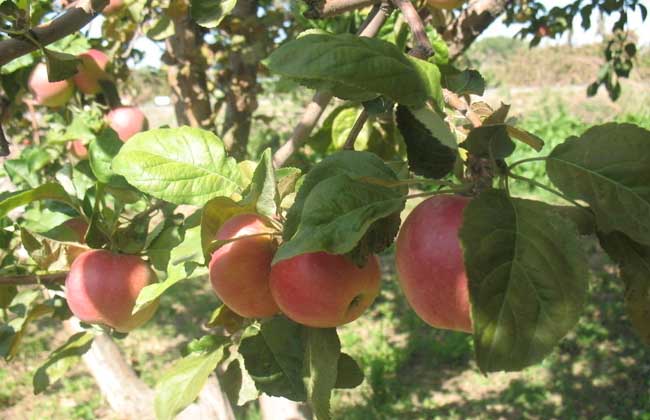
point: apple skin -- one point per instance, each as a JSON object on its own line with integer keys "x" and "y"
{"x": 127, "y": 121}
{"x": 90, "y": 71}
{"x": 430, "y": 263}
{"x": 323, "y": 290}
{"x": 50, "y": 94}
{"x": 102, "y": 287}
{"x": 239, "y": 270}
{"x": 113, "y": 7}
{"x": 78, "y": 149}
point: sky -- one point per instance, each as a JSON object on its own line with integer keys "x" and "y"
{"x": 153, "y": 51}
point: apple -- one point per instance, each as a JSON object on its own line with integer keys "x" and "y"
{"x": 78, "y": 149}
{"x": 90, "y": 71}
{"x": 239, "y": 270}
{"x": 50, "y": 94}
{"x": 79, "y": 226}
{"x": 127, "y": 121}
{"x": 102, "y": 287}
{"x": 430, "y": 263}
{"x": 324, "y": 290}
{"x": 113, "y": 7}
{"x": 445, "y": 4}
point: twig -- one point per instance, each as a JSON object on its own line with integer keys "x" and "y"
{"x": 36, "y": 137}
{"x": 356, "y": 129}
{"x": 71, "y": 21}
{"x": 315, "y": 108}
{"x": 33, "y": 279}
{"x": 321, "y": 9}
{"x": 4, "y": 144}
{"x": 423, "y": 48}
{"x": 455, "y": 102}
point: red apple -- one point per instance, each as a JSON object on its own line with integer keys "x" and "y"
{"x": 102, "y": 287}
{"x": 127, "y": 121}
{"x": 90, "y": 71}
{"x": 239, "y": 270}
{"x": 324, "y": 290}
{"x": 113, "y": 7}
{"x": 50, "y": 94}
{"x": 430, "y": 263}
{"x": 78, "y": 149}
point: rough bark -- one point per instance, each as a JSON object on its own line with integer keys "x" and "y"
{"x": 187, "y": 73}
{"x": 130, "y": 397}
{"x": 471, "y": 22}
{"x": 240, "y": 80}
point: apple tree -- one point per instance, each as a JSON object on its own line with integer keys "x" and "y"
{"x": 103, "y": 214}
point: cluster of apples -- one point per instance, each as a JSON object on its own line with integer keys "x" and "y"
{"x": 125, "y": 120}
{"x": 316, "y": 289}
{"x": 324, "y": 290}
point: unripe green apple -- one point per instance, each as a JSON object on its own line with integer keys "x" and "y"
{"x": 430, "y": 263}
{"x": 90, "y": 71}
{"x": 324, "y": 290}
{"x": 239, "y": 270}
{"x": 102, "y": 287}
{"x": 50, "y": 94}
{"x": 127, "y": 121}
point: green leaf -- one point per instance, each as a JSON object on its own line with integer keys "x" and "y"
{"x": 527, "y": 279}
{"x": 609, "y": 168}
{"x": 61, "y": 360}
{"x": 489, "y": 141}
{"x": 49, "y": 191}
{"x": 634, "y": 262}
{"x": 337, "y": 214}
{"x": 210, "y": 13}
{"x": 379, "y": 66}
{"x": 237, "y": 383}
{"x": 25, "y": 306}
{"x": 463, "y": 82}
{"x": 215, "y": 213}
{"x": 274, "y": 359}
{"x": 427, "y": 155}
{"x": 224, "y": 317}
{"x": 101, "y": 152}
{"x": 287, "y": 179}
{"x": 161, "y": 248}
{"x": 262, "y": 193}
{"x": 182, "y": 384}
{"x": 60, "y": 66}
{"x": 525, "y": 137}
{"x": 7, "y": 294}
{"x": 322, "y": 351}
{"x": 181, "y": 165}
{"x": 349, "y": 373}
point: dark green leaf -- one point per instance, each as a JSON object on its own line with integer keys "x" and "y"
{"x": 489, "y": 141}
{"x": 380, "y": 67}
{"x": 61, "y": 360}
{"x": 349, "y": 374}
{"x": 274, "y": 359}
{"x": 527, "y": 279}
{"x": 463, "y": 82}
{"x": 60, "y": 66}
{"x": 525, "y": 137}
{"x": 634, "y": 261}
{"x": 609, "y": 168}
{"x": 7, "y": 294}
{"x": 224, "y": 317}
{"x": 237, "y": 383}
{"x": 181, "y": 165}
{"x": 210, "y": 13}
{"x": 427, "y": 155}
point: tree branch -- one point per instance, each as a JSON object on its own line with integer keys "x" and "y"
{"x": 28, "y": 279}
{"x": 356, "y": 129}
{"x": 71, "y": 21}
{"x": 455, "y": 102}
{"x": 315, "y": 108}
{"x": 423, "y": 48}
{"x": 321, "y": 9}
{"x": 470, "y": 23}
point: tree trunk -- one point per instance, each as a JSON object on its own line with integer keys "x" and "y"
{"x": 275, "y": 408}
{"x": 240, "y": 79}
{"x": 187, "y": 72}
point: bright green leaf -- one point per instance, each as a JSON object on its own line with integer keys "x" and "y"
{"x": 322, "y": 351}
{"x": 49, "y": 191}
{"x": 61, "y": 360}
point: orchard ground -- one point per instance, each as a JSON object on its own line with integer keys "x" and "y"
{"x": 600, "y": 371}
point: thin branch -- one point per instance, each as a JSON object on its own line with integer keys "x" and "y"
{"x": 4, "y": 144}
{"x": 315, "y": 108}
{"x": 423, "y": 48}
{"x": 322, "y": 9}
{"x": 454, "y": 101}
{"x": 28, "y": 279}
{"x": 71, "y": 21}
{"x": 356, "y": 129}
